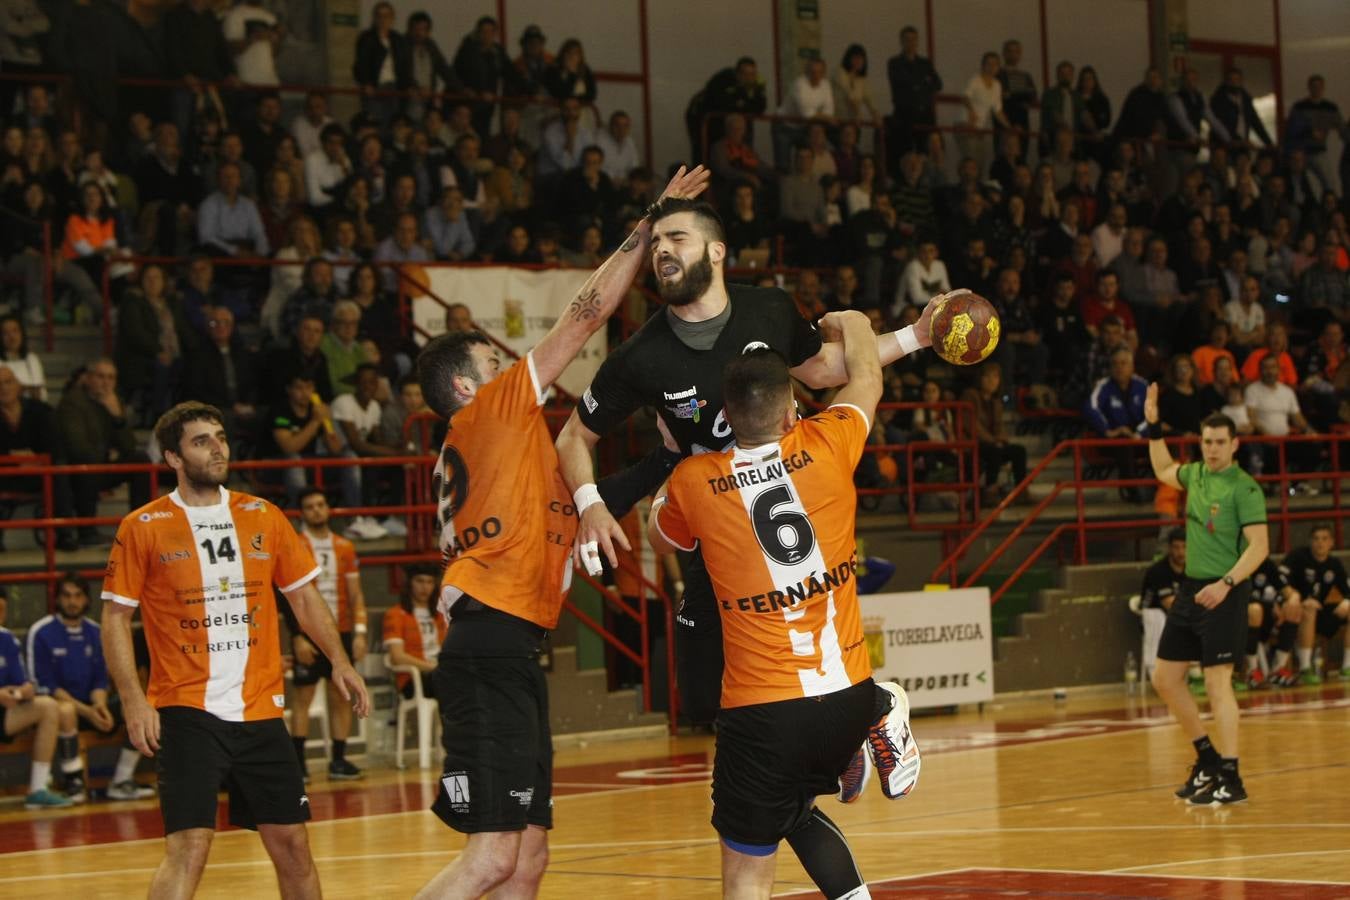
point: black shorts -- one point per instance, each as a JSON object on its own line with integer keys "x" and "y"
{"x": 698, "y": 644}
{"x": 322, "y": 667}
{"x": 494, "y": 726}
{"x": 1267, "y": 626}
{"x": 5, "y": 738}
{"x": 201, "y": 755}
{"x": 1214, "y": 637}
{"x": 1328, "y": 623}
{"x": 774, "y": 759}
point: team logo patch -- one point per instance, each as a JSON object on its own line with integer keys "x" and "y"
{"x": 688, "y": 406}
{"x": 1213, "y": 515}
{"x": 224, "y": 584}
{"x": 456, "y": 787}
{"x": 257, "y": 541}
{"x": 279, "y": 701}
{"x": 150, "y": 517}
{"x": 589, "y": 399}
{"x": 759, "y": 345}
{"x": 526, "y": 797}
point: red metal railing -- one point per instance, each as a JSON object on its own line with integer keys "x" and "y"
{"x": 421, "y": 519}
{"x": 1088, "y": 452}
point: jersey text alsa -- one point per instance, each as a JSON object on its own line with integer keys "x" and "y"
{"x": 655, "y": 368}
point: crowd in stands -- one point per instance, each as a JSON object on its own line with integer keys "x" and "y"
{"x": 1176, "y": 228}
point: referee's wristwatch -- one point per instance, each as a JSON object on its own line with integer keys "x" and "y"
{"x": 1228, "y": 580}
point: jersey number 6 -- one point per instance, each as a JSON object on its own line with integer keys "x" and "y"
{"x": 785, "y": 535}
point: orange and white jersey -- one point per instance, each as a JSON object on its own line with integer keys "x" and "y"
{"x": 336, "y": 557}
{"x": 507, "y": 522}
{"x": 776, "y": 527}
{"x": 203, "y": 578}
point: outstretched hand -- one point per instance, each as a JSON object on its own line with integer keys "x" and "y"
{"x": 923, "y": 329}
{"x": 1151, "y": 404}
{"x": 687, "y": 183}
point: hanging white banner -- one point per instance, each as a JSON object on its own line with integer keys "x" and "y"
{"x": 515, "y": 306}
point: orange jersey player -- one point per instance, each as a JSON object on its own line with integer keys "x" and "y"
{"x": 801, "y": 715}
{"x": 200, "y": 565}
{"x": 507, "y": 528}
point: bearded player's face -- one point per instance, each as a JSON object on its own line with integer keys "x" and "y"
{"x": 681, "y": 259}
{"x": 204, "y": 454}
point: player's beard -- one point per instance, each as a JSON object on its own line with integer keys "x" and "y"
{"x": 696, "y": 281}
{"x": 201, "y": 478}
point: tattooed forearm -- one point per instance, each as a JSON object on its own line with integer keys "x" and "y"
{"x": 631, "y": 244}
{"x": 586, "y": 306}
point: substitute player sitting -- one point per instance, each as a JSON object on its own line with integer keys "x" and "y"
{"x": 1319, "y": 579}
{"x": 774, "y": 517}
{"x": 22, "y": 708}
{"x": 200, "y": 564}
{"x": 339, "y": 584}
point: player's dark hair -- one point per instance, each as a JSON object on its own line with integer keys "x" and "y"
{"x": 412, "y": 571}
{"x": 74, "y": 579}
{"x": 1176, "y": 534}
{"x": 440, "y": 361}
{"x": 708, "y": 219}
{"x": 755, "y": 385}
{"x": 306, "y": 492}
{"x": 1219, "y": 420}
{"x": 1321, "y": 526}
{"x": 169, "y": 428}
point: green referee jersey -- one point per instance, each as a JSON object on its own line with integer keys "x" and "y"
{"x": 1218, "y": 506}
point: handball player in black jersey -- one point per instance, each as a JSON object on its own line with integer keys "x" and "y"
{"x": 674, "y": 364}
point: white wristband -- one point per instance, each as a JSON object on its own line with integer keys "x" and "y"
{"x": 907, "y": 339}
{"x": 586, "y": 496}
{"x": 359, "y": 628}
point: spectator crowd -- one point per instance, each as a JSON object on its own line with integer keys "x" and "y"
{"x": 1171, "y": 239}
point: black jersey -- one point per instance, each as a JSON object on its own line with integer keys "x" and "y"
{"x": 1268, "y": 582}
{"x": 1312, "y": 579}
{"x": 655, "y": 368}
{"x": 1160, "y": 584}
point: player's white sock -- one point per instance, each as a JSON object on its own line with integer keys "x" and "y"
{"x": 1304, "y": 658}
{"x": 1252, "y": 662}
{"x": 1281, "y": 659}
{"x": 41, "y": 773}
{"x": 126, "y": 765}
{"x": 858, "y": 893}
{"x": 1262, "y": 660}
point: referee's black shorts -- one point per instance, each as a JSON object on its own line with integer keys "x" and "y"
{"x": 1214, "y": 637}
{"x": 200, "y": 755}
{"x": 774, "y": 759}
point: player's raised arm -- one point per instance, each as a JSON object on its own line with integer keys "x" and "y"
{"x": 1164, "y": 467}
{"x": 827, "y": 368}
{"x": 606, "y": 287}
{"x": 862, "y": 363}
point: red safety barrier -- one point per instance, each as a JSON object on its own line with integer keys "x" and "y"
{"x": 1087, "y": 452}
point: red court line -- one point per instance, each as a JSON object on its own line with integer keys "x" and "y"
{"x": 978, "y": 884}
{"x": 102, "y": 823}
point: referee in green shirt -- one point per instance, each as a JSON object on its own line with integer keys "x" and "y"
{"x": 1226, "y": 541}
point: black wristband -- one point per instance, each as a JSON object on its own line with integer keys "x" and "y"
{"x": 1155, "y": 432}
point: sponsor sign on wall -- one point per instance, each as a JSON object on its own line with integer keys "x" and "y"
{"x": 936, "y": 644}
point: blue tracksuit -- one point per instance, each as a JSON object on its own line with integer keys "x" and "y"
{"x": 66, "y": 658}
{"x": 11, "y": 660}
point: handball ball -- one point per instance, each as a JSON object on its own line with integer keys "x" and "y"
{"x": 965, "y": 329}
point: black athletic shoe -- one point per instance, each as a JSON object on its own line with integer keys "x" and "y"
{"x": 342, "y": 770}
{"x": 74, "y": 788}
{"x": 1223, "y": 792}
{"x": 1202, "y": 778}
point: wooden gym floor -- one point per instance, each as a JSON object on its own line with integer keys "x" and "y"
{"x": 1027, "y": 798}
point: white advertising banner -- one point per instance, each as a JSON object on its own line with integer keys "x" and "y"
{"x": 515, "y": 306}
{"x": 936, "y": 644}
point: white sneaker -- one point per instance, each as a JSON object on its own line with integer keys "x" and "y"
{"x": 394, "y": 527}
{"x": 129, "y": 790}
{"x": 364, "y": 528}
{"x": 892, "y": 747}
